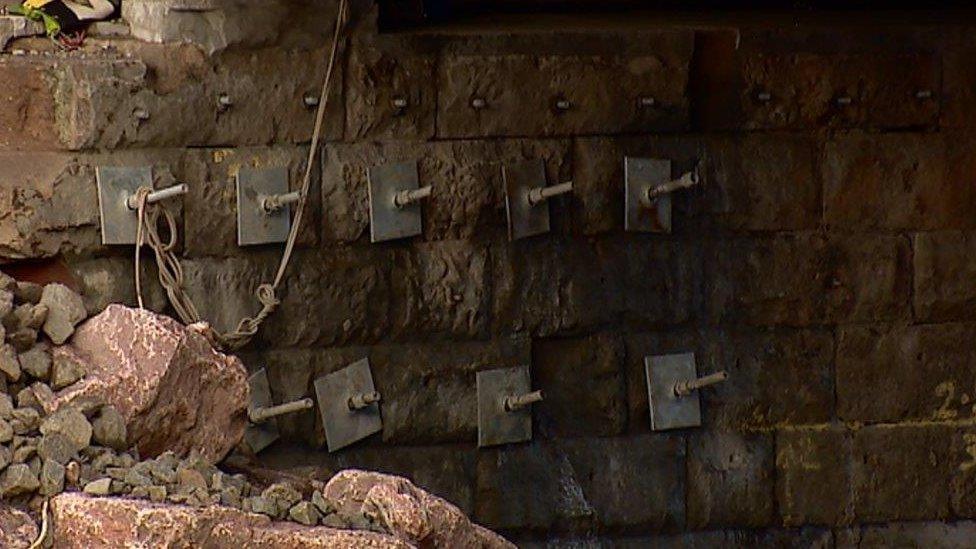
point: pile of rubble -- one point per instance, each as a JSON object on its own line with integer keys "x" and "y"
{"x": 120, "y": 421}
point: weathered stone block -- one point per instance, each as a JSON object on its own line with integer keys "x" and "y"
{"x": 558, "y": 486}
{"x": 224, "y": 290}
{"x": 598, "y": 178}
{"x": 730, "y": 480}
{"x": 896, "y": 373}
{"x": 522, "y": 91}
{"x": 429, "y": 391}
{"x": 806, "y": 538}
{"x": 210, "y": 218}
{"x": 584, "y": 386}
{"x": 957, "y": 534}
{"x": 801, "y": 279}
{"x": 944, "y": 272}
{"x": 444, "y": 291}
{"x": 467, "y": 201}
{"x": 920, "y": 474}
{"x": 217, "y": 25}
{"x": 963, "y": 465}
{"x": 548, "y": 286}
{"x": 813, "y": 476}
{"x": 760, "y": 183}
{"x": 804, "y": 90}
{"x": 385, "y": 69}
{"x": 27, "y": 122}
{"x": 650, "y": 282}
{"x": 150, "y": 95}
{"x": 106, "y": 280}
{"x": 898, "y": 181}
{"x": 50, "y": 205}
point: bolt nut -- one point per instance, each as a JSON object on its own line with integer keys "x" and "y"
{"x": 400, "y": 103}
{"x": 224, "y": 101}
{"x": 764, "y": 97}
{"x": 563, "y": 104}
{"x": 647, "y": 102}
{"x": 923, "y": 94}
{"x": 844, "y": 100}
{"x": 141, "y": 114}
{"x": 478, "y": 103}
{"x": 310, "y": 101}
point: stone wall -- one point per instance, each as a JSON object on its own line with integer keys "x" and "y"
{"x": 825, "y": 262}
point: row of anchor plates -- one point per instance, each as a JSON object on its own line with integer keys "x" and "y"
{"x": 349, "y": 404}
{"x": 395, "y": 196}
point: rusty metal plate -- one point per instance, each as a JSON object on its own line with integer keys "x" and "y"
{"x": 342, "y": 425}
{"x": 641, "y": 174}
{"x": 259, "y": 436}
{"x": 386, "y": 220}
{"x": 524, "y": 219}
{"x": 495, "y": 424}
{"x": 115, "y": 186}
{"x": 668, "y": 410}
{"x": 254, "y": 225}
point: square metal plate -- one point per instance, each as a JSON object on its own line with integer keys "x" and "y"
{"x": 259, "y": 436}
{"x": 669, "y": 411}
{"x": 524, "y": 219}
{"x": 495, "y": 425}
{"x": 115, "y": 186}
{"x": 254, "y": 225}
{"x": 342, "y": 425}
{"x": 386, "y": 221}
{"x": 641, "y": 174}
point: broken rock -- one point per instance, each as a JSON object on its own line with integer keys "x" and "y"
{"x": 408, "y": 512}
{"x": 108, "y": 428}
{"x": 80, "y": 522}
{"x": 65, "y": 310}
{"x": 17, "y": 529}
{"x": 173, "y": 389}
{"x": 18, "y": 479}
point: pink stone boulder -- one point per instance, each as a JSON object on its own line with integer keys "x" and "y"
{"x": 17, "y": 529}
{"x": 85, "y": 522}
{"x": 173, "y": 389}
{"x": 411, "y": 514}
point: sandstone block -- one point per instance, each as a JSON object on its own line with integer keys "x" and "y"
{"x": 210, "y": 218}
{"x": 804, "y": 89}
{"x": 584, "y": 385}
{"x": 813, "y": 475}
{"x": 894, "y": 373}
{"x": 775, "y": 377}
{"x": 385, "y": 70}
{"x": 582, "y": 483}
{"x": 467, "y": 201}
{"x": 541, "y": 288}
{"x": 174, "y": 390}
{"x": 921, "y": 474}
{"x": 943, "y": 276}
{"x": 803, "y": 278}
{"x": 410, "y": 514}
{"x": 908, "y": 534}
{"x": 55, "y": 207}
{"x": 898, "y": 181}
{"x": 730, "y": 480}
{"x": 522, "y": 92}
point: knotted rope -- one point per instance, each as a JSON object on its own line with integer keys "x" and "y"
{"x": 170, "y": 270}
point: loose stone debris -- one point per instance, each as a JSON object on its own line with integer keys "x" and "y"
{"x": 70, "y": 434}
